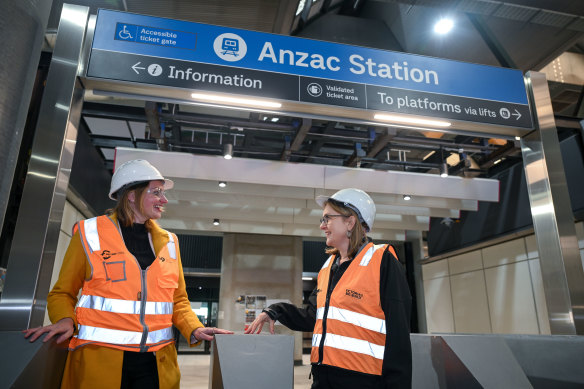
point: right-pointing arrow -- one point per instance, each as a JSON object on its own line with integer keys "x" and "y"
{"x": 516, "y": 114}
{"x": 135, "y": 67}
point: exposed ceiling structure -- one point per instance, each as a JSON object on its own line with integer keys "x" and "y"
{"x": 520, "y": 34}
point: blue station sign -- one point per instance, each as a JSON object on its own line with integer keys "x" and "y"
{"x": 158, "y": 51}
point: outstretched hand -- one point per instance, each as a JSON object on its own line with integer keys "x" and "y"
{"x": 208, "y": 333}
{"x": 63, "y": 329}
{"x": 256, "y": 326}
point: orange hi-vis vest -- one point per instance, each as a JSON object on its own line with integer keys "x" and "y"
{"x": 122, "y": 306}
{"x": 350, "y": 325}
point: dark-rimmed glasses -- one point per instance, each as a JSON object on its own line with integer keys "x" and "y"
{"x": 327, "y": 218}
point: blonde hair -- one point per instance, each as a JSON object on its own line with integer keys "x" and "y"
{"x": 123, "y": 210}
{"x": 358, "y": 234}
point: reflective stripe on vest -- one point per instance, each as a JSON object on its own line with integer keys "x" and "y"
{"x": 171, "y": 246}
{"x": 350, "y": 317}
{"x": 369, "y": 254}
{"x": 349, "y": 344}
{"x": 107, "y": 335}
{"x": 124, "y": 306}
{"x": 91, "y": 235}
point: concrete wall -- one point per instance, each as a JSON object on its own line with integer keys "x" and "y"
{"x": 255, "y": 264}
{"x": 497, "y": 289}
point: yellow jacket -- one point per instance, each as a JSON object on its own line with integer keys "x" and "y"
{"x": 101, "y": 367}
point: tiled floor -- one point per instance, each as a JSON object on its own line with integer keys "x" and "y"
{"x": 194, "y": 369}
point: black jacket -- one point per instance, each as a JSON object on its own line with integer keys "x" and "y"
{"x": 396, "y": 303}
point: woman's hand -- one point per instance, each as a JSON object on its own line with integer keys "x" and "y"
{"x": 64, "y": 328}
{"x": 258, "y": 324}
{"x": 207, "y": 333}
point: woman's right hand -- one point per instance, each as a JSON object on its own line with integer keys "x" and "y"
{"x": 64, "y": 328}
{"x": 256, "y": 326}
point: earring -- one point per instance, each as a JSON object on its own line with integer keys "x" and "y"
{"x": 349, "y": 233}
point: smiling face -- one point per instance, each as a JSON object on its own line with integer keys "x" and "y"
{"x": 152, "y": 202}
{"x": 336, "y": 228}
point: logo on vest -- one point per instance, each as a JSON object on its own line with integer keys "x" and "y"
{"x": 106, "y": 254}
{"x": 352, "y": 293}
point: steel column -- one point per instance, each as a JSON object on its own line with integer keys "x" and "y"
{"x": 563, "y": 277}
{"x": 41, "y": 209}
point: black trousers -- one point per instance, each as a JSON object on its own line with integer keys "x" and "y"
{"x": 139, "y": 371}
{"x": 328, "y": 377}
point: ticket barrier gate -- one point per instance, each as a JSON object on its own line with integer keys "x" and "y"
{"x": 266, "y": 361}
{"x": 252, "y": 362}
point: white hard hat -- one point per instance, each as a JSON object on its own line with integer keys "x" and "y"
{"x": 135, "y": 171}
{"x": 357, "y": 200}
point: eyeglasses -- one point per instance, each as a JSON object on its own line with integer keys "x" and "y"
{"x": 327, "y": 218}
{"x": 160, "y": 193}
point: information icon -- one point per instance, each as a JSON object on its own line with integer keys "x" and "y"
{"x": 155, "y": 70}
{"x": 314, "y": 89}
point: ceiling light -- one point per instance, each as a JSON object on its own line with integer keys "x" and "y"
{"x": 444, "y": 170}
{"x": 428, "y": 155}
{"x": 227, "y": 151}
{"x": 236, "y": 100}
{"x": 407, "y": 197}
{"x": 216, "y": 222}
{"x": 517, "y": 138}
{"x": 275, "y": 119}
{"x": 402, "y": 119}
{"x": 443, "y": 26}
{"x": 222, "y": 184}
{"x": 307, "y": 278}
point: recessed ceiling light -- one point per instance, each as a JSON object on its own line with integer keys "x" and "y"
{"x": 222, "y": 184}
{"x": 407, "y": 197}
{"x": 216, "y": 222}
{"x": 443, "y": 26}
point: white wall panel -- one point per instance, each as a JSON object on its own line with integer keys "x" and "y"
{"x": 469, "y": 303}
{"x": 504, "y": 253}
{"x": 511, "y": 300}
{"x": 539, "y": 295}
{"x": 435, "y": 270}
{"x": 466, "y": 262}
{"x": 438, "y": 300}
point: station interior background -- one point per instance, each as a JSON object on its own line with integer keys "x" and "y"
{"x": 472, "y": 265}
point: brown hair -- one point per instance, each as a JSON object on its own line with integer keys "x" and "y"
{"x": 358, "y": 234}
{"x": 123, "y": 209}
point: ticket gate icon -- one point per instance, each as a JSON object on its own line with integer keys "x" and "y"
{"x": 230, "y": 46}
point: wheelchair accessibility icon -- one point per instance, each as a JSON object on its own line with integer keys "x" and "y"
{"x": 125, "y": 34}
{"x": 230, "y": 47}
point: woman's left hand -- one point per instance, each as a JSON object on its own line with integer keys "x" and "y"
{"x": 207, "y": 333}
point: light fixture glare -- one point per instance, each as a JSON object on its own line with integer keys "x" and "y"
{"x": 443, "y": 26}
{"x": 216, "y": 222}
{"x": 236, "y": 100}
{"x": 407, "y": 197}
{"x": 402, "y": 119}
{"x": 222, "y": 184}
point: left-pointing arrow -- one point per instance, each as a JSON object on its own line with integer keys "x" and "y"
{"x": 135, "y": 67}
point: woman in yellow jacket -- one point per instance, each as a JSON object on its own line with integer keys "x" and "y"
{"x": 132, "y": 292}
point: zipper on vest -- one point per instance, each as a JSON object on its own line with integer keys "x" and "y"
{"x": 324, "y": 316}
{"x": 143, "y": 347}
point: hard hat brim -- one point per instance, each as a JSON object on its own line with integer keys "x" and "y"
{"x": 320, "y": 200}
